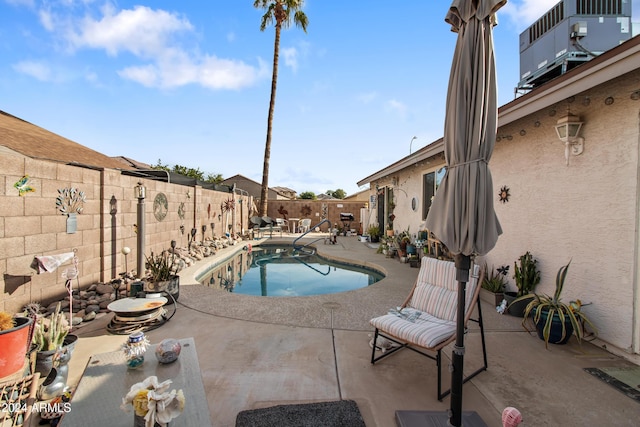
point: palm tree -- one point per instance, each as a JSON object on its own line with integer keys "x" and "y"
{"x": 281, "y": 13}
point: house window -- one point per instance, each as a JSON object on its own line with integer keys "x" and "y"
{"x": 430, "y": 183}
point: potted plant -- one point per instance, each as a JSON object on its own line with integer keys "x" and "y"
{"x": 162, "y": 273}
{"x": 14, "y": 343}
{"x": 493, "y": 284}
{"x": 54, "y": 346}
{"x": 527, "y": 277}
{"x": 555, "y": 320}
{"x": 374, "y": 233}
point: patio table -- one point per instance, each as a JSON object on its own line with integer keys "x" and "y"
{"x": 106, "y": 380}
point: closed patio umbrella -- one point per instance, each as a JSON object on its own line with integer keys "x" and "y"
{"x": 462, "y": 215}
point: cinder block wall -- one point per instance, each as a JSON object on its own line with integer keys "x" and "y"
{"x": 317, "y": 210}
{"x": 31, "y": 224}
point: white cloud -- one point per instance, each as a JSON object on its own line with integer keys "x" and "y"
{"x": 37, "y": 70}
{"x": 290, "y": 55}
{"x": 150, "y": 35}
{"x": 141, "y": 31}
{"x": 367, "y": 98}
{"x": 174, "y": 68}
{"x": 525, "y": 12}
{"x": 397, "y": 106}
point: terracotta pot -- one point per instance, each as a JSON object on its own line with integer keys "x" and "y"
{"x": 14, "y": 344}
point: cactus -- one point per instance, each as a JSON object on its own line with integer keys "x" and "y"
{"x": 49, "y": 333}
{"x": 526, "y": 274}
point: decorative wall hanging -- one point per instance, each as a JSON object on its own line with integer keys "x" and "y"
{"x": 504, "y": 194}
{"x": 325, "y": 211}
{"x": 282, "y": 211}
{"x": 70, "y": 203}
{"x": 181, "y": 210}
{"x": 23, "y": 187}
{"x": 70, "y": 200}
{"x": 209, "y": 211}
{"x": 305, "y": 211}
{"x": 414, "y": 204}
{"x": 160, "y": 206}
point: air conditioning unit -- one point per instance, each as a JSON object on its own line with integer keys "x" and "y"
{"x": 569, "y": 34}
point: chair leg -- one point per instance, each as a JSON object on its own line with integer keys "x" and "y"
{"x": 442, "y": 395}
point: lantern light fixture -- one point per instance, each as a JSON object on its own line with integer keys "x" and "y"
{"x": 568, "y": 130}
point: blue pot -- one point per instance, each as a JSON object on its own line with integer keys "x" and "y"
{"x": 555, "y": 334}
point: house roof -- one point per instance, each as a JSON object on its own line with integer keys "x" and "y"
{"x": 613, "y": 63}
{"x": 33, "y": 141}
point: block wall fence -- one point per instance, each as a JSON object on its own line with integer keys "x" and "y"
{"x": 32, "y": 225}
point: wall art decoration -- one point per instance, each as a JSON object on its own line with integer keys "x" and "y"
{"x": 160, "y": 206}
{"x": 504, "y": 194}
{"x": 181, "y": 210}
{"x": 70, "y": 200}
{"x": 23, "y": 187}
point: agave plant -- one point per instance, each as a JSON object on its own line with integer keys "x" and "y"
{"x": 545, "y": 308}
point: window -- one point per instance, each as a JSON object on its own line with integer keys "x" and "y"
{"x": 430, "y": 183}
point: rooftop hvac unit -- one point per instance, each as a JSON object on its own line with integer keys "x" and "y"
{"x": 569, "y": 34}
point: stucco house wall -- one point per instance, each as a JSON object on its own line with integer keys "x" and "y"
{"x": 586, "y": 212}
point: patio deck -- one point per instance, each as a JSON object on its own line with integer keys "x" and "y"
{"x": 261, "y": 351}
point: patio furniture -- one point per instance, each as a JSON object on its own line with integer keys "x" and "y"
{"x": 106, "y": 380}
{"x": 427, "y": 318}
{"x": 264, "y": 224}
{"x": 283, "y": 224}
{"x": 305, "y": 223}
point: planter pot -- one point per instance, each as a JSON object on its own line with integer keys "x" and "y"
{"x": 375, "y": 239}
{"x": 519, "y": 307}
{"x": 555, "y": 334}
{"x": 491, "y": 298}
{"x": 14, "y": 345}
{"x": 390, "y": 233}
{"x": 364, "y": 239}
{"x": 411, "y": 249}
{"x": 44, "y": 359}
{"x": 171, "y": 286}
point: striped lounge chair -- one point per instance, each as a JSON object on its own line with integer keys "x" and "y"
{"x": 427, "y": 320}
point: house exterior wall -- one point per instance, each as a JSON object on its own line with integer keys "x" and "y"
{"x": 586, "y": 212}
{"x": 31, "y": 225}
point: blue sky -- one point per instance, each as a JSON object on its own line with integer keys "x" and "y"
{"x": 188, "y": 82}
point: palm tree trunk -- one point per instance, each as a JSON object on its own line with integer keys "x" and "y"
{"x": 272, "y": 103}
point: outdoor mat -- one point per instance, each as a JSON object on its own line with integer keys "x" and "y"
{"x": 342, "y": 413}
{"x": 625, "y": 379}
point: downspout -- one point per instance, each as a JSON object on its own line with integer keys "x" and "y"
{"x": 635, "y": 333}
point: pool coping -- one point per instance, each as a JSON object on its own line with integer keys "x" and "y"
{"x": 343, "y": 310}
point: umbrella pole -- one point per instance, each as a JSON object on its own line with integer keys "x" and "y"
{"x": 463, "y": 265}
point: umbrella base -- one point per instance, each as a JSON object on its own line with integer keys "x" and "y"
{"x": 436, "y": 419}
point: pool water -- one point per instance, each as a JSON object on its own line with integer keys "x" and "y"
{"x": 284, "y": 272}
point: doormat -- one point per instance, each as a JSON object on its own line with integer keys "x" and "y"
{"x": 341, "y": 413}
{"x": 625, "y": 379}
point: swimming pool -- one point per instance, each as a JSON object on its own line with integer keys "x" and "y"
{"x": 279, "y": 270}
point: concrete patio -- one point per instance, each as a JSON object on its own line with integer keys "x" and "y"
{"x": 261, "y": 351}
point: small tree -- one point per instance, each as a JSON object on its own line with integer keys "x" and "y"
{"x": 338, "y": 194}
{"x": 309, "y": 195}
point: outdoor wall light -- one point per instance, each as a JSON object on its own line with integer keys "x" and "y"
{"x": 568, "y": 130}
{"x": 140, "y": 191}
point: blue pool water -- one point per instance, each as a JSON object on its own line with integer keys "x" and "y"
{"x": 282, "y": 271}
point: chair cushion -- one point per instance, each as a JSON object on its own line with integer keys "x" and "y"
{"x": 427, "y": 331}
{"x": 436, "y": 289}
